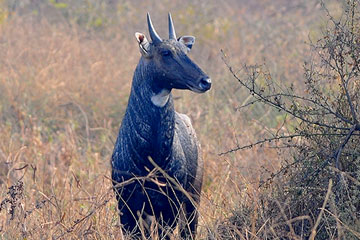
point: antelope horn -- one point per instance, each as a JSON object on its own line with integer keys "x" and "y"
{"x": 153, "y": 35}
{"x": 172, "y": 34}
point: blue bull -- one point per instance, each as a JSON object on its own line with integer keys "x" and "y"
{"x": 156, "y": 164}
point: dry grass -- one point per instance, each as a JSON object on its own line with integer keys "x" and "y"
{"x": 64, "y": 88}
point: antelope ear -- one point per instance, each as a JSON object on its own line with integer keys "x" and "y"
{"x": 144, "y": 44}
{"x": 188, "y": 41}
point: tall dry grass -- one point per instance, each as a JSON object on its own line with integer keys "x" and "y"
{"x": 63, "y": 90}
{"x": 57, "y": 133}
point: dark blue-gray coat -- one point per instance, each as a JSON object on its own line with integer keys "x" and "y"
{"x": 156, "y": 163}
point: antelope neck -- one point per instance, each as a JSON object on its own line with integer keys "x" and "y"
{"x": 152, "y": 116}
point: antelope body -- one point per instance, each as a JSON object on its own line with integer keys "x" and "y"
{"x": 153, "y": 136}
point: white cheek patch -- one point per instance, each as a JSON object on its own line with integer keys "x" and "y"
{"x": 161, "y": 98}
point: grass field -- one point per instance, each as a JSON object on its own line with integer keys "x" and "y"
{"x": 65, "y": 76}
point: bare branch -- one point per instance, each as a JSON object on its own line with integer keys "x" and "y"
{"x": 275, "y": 104}
{"x": 276, "y": 138}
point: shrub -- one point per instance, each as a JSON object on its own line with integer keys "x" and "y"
{"x": 317, "y": 190}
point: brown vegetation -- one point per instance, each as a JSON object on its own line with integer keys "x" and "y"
{"x": 65, "y": 73}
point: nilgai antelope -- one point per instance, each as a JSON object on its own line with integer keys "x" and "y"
{"x": 155, "y": 138}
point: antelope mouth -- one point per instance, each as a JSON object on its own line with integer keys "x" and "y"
{"x": 203, "y": 86}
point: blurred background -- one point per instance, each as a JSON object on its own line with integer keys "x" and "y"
{"x": 65, "y": 76}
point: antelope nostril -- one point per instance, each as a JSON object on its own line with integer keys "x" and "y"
{"x": 205, "y": 83}
{"x": 207, "y": 80}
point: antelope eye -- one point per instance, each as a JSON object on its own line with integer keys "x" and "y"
{"x": 166, "y": 53}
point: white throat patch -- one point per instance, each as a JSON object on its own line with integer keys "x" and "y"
{"x": 161, "y": 98}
